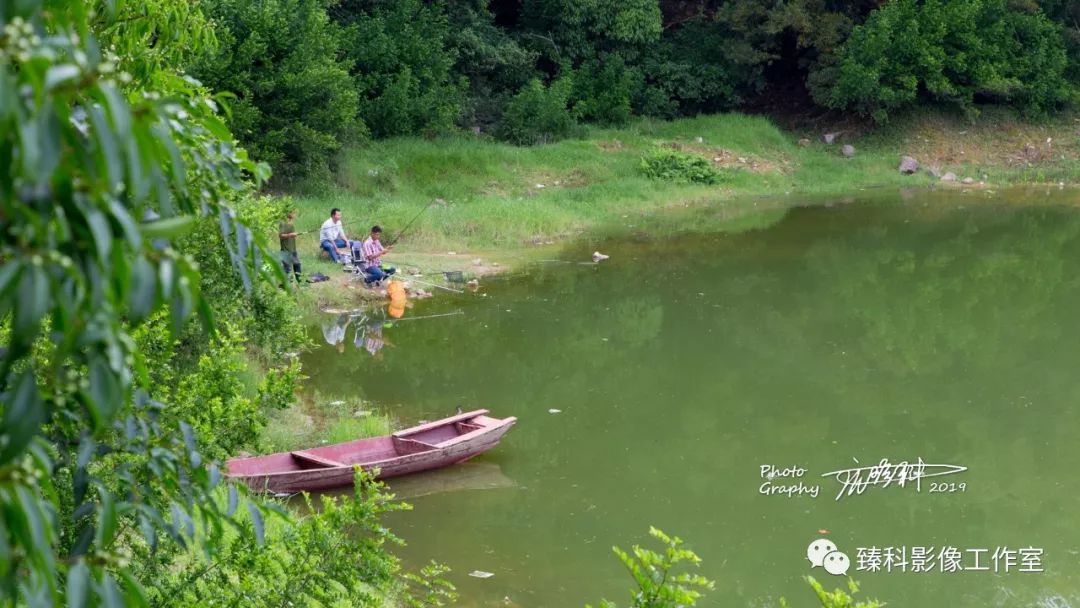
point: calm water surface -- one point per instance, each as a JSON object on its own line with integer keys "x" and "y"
{"x": 934, "y": 327}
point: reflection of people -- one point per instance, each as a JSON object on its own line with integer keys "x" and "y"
{"x": 334, "y": 333}
{"x": 332, "y": 236}
{"x": 372, "y": 262}
{"x": 370, "y": 338}
{"x": 290, "y": 260}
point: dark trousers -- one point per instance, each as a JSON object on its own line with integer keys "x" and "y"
{"x": 373, "y": 274}
{"x": 290, "y": 260}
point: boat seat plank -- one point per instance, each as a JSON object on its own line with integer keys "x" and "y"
{"x": 315, "y": 459}
{"x": 411, "y": 446}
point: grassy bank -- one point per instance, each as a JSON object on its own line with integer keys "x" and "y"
{"x": 497, "y": 201}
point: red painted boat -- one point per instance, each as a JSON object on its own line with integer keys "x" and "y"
{"x": 420, "y": 448}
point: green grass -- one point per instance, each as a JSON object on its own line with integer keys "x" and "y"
{"x": 319, "y": 420}
{"x": 490, "y": 202}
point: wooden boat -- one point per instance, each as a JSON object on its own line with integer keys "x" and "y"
{"x": 420, "y": 448}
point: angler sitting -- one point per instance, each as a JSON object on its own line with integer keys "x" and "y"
{"x": 332, "y": 237}
{"x": 371, "y": 264}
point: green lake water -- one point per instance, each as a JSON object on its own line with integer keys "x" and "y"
{"x": 937, "y": 326}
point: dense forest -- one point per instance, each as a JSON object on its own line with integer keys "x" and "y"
{"x": 312, "y": 75}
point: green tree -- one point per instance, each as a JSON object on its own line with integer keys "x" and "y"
{"x": 489, "y": 59}
{"x": 86, "y": 151}
{"x": 294, "y": 104}
{"x": 401, "y": 59}
{"x": 955, "y": 52}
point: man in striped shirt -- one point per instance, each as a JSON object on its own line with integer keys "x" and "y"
{"x": 373, "y": 251}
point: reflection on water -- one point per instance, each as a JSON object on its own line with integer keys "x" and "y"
{"x": 468, "y": 476}
{"x": 809, "y": 338}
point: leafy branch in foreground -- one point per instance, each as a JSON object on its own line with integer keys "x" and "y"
{"x": 98, "y": 175}
{"x": 838, "y": 598}
{"x": 657, "y": 585}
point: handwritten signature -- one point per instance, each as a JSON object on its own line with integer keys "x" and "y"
{"x": 885, "y": 473}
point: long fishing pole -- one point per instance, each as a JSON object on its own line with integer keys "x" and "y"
{"x": 445, "y": 314}
{"x": 411, "y": 222}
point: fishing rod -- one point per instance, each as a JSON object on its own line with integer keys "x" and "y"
{"x": 410, "y": 279}
{"x": 445, "y": 314}
{"x": 411, "y": 222}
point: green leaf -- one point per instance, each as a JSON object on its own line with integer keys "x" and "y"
{"x": 143, "y": 293}
{"x": 169, "y": 227}
{"x": 106, "y": 528}
{"x": 78, "y": 585}
{"x": 256, "y": 521}
{"x": 99, "y": 229}
{"x": 23, "y": 416}
{"x": 110, "y": 594}
{"x": 58, "y": 75}
{"x": 234, "y": 500}
{"x": 33, "y": 303}
{"x": 110, "y": 154}
{"x": 104, "y": 390}
{"x": 135, "y": 596}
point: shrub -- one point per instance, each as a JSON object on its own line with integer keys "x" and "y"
{"x": 953, "y": 51}
{"x": 672, "y": 166}
{"x": 335, "y": 555}
{"x": 603, "y": 89}
{"x": 538, "y": 114}
{"x": 838, "y": 598}
{"x": 657, "y": 586}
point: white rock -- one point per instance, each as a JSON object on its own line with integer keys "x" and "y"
{"x": 908, "y": 165}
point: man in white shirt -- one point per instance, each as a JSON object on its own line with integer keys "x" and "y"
{"x": 332, "y": 236}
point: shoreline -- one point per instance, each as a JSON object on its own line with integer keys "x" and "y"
{"x": 505, "y": 206}
{"x": 327, "y": 296}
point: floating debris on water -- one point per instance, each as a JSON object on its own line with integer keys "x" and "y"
{"x": 481, "y": 574}
{"x": 554, "y": 411}
{"x": 599, "y": 257}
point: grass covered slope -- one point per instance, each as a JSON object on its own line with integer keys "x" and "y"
{"x": 498, "y": 196}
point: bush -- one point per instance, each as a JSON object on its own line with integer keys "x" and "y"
{"x": 671, "y": 166}
{"x": 539, "y": 114}
{"x": 296, "y": 103}
{"x": 336, "y": 555}
{"x": 603, "y": 89}
{"x": 954, "y": 51}
{"x": 838, "y": 598}
{"x": 657, "y": 585}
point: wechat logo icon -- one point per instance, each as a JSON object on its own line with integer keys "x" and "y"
{"x": 823, "y": 552}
